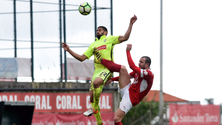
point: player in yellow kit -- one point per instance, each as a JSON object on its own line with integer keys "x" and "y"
{"x": 104, "y": 45}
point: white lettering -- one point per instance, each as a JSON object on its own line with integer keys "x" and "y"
{"x": 4, "y": 98}
{"x": 43, "y": 102}
{"x": 26, "y": 98}
{"x": 63, "y": 102}
{"x": 37, "y": 102}
{"x": 58, "y": 99}
{"x": 88, "y": 105}
{"x": 79, "y": 106}
{"x": 74, "y": 104}
{"x": 211, "y": 118}
{"x": 104, "y": 102}
{"x": 10, "y": 98}
{"x": 48, "y": 102}
{"x": 107, "y": 102}
{"x": 32, "y": 98}
{"x": 103, "y": 106}
{"x": 15, "y": 97}
{"x": 68, "y": 102}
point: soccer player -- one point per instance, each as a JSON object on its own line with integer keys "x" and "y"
{"x": 131, "y": 93}
{"x": 104, "y": 45}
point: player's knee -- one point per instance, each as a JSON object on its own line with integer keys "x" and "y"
{"x": 123, "y": 69}
{"x": 97, "y": 83}
{"x": 116, "y": 119}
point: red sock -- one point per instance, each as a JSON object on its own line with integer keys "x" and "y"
{"x": 113, "y": 67}
{"x": 118, "y": 123}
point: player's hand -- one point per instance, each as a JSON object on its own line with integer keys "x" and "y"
{"x": 133, "y": 19}
{"x": 65, "y": 46}
{"x": 129, "y": 47}
{"x": 108, "y": 82}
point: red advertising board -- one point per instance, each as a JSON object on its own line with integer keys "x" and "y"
{"x": 70, "y": 119}
{"x": 194, "y": 114}
{"x": 60, "y": 102}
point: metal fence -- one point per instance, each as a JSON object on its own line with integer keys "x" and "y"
{"x": 34, "y": 29}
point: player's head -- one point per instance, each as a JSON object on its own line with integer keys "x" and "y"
{"x": 101, "y": 30}
{"x": 145, "y": 62}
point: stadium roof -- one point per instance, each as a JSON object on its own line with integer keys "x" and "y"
{"x": 154, "y": 95}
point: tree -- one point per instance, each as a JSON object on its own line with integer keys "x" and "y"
{"x": 209, "y": 100}
{"x": 141, "y": 114}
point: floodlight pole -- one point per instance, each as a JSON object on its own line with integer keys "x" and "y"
{"x": 64, "y": 37}
{"x": 111, "y": 16}
{"x": 60, "y": 37}
{"x": 31, "y": 31}
{"x": 161, "y": 102}
{"x": 95, "y": 15}
{"x": 15, "y": 31}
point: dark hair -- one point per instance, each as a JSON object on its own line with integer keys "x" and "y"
{"x": 104, "y": 28}
{"x": 148, "y": 60}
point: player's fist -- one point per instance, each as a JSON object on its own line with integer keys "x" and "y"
{"x": 133, "y": 19}
{"x": 108, "y": 82}
{"x": 65, "y": 46}
{"x": 129, "y": 47}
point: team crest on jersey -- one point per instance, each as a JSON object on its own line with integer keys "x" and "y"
{"x": 145, "y": 72}
{"x": 104, "y": 40}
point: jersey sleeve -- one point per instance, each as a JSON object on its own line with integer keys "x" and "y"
{"x": 131, "y": 63}
{"x": 89, "y": 52}
{"x": 132, "y": 74}
{"x": 115, "y": 78}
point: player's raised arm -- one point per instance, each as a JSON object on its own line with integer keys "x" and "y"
{"x": 130, "y": 60}
{"x": 75, "y": 55}
{"x": 127, "y": 34}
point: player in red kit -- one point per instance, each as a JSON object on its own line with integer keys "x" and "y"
{"x": 131, "y": 93}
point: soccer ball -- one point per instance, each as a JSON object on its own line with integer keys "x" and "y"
{"x": 85, "y": 8}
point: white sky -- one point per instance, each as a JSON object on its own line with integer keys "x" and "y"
{"x": 192, "y": 54}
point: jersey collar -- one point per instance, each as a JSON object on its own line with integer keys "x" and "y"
{"x": 102, "y": 37}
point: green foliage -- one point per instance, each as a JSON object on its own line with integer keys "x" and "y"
{"x": 209, "y": 100}
{"x": 141, "y": 113}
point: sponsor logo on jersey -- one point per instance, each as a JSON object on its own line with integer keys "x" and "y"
{"x": 101, "y": 47}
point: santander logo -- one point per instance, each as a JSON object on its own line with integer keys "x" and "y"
{"x": 197, "y": 118}
{"x": 175, "y": 118}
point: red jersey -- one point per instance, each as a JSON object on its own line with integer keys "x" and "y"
{"x": 142, "y": 84}
{"x": 143, "y": 81}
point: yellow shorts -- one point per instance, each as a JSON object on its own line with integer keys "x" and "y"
{"x": 105, "y": 74}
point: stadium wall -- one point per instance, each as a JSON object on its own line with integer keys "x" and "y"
{"x": 22, "y": 89}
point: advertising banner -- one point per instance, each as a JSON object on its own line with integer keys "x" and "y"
{"x": 194, "y": 114}
{"x": 61, "y": 102}
{"x": 70, "y": 119}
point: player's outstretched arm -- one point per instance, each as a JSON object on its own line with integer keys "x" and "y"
{"x": 130, "y": 60}
{"x": 75, "y": 55}
{"x": 127, "y": 34}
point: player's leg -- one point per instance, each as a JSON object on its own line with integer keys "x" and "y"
{"x": 124, "y": 78}
{"x": 103, "y": 75}
{"x": 94, "y": 102}
{"x": 91, "y": 109}
{"x": 118, "y": 117}
{"x": 125, "y": 105}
